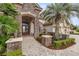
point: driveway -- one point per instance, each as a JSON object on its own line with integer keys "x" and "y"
{"x": 31, "y": 47}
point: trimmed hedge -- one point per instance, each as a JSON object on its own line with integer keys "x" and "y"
{"x": 63, "y": 43}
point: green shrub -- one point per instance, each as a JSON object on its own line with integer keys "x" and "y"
{"x": 57, "y": 44}
{"x": 77, "y": 29}
{"x": 67, "y": 41}
{"x": 2, "y": 49}
{"x": 72, "y": 40}
{"x": 63, "y": 43}
{"x": 39, "y": 39}
{"x": 3, "y": 39}
{"x": 14, "y": 53}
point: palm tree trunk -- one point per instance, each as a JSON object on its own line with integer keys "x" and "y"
{"x": 57, "y": 36}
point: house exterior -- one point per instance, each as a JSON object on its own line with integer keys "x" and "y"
{"x": 63, "y": 29}
{"x": 28, "y": 19}
{"x": 31, "y": 24}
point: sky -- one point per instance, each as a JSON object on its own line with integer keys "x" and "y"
{"x": 74, "y": 20}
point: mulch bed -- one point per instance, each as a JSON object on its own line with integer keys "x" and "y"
{"x": 64, "y": 47}
{"x": 51, "y": 47}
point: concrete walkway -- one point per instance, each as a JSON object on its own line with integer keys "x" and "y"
{"x": 33, "y": 48}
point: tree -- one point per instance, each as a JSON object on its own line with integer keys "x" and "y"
{"x": 8, "y": 22}
{"x": 8, "y": 9}
{"x": 60, "y": 12}
{"x": 73, "y": 27}
{"x": 8, "y": 25}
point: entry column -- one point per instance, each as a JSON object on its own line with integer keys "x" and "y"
{"x": 36, "y": 30}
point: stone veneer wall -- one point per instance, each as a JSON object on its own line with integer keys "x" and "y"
{"x": 36, "y": 31}
{"x": 19, "y": 18}
{"x": 28, "y": 7}
{"x": 14, "y": 46}
{"x": 25, "y": 8}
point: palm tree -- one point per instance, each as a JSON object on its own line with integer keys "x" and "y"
{"x": 8, "y": 22}
{"x": 60, "y": 12}
{"x": 8, "y": 25}
{"x": 8, "y": 9}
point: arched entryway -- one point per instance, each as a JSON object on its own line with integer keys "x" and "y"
{"x": 27, "y": 24}
{"x": 25, "y": 28}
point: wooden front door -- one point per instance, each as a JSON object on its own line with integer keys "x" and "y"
{"x": 26, "y": 28}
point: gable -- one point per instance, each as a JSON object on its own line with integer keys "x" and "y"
{"x": 29, "y": 7}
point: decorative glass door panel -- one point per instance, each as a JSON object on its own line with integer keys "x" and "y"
{"x": 25, "y": 28}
